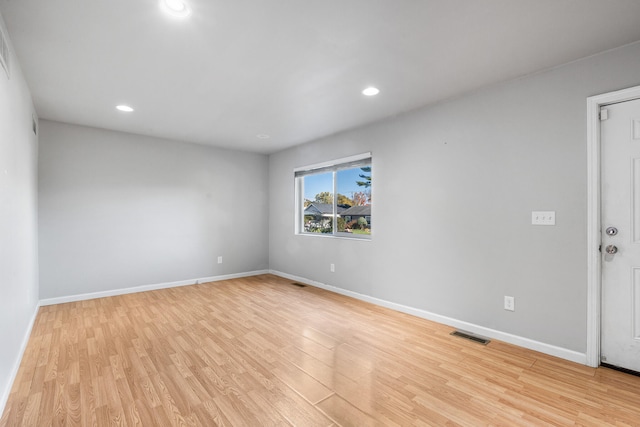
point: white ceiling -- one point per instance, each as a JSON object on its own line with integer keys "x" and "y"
{"x": 292, "y": 69}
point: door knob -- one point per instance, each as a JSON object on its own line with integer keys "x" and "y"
{"x": 611, "y": 249}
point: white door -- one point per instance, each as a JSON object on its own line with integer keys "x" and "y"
{"x": 620, "y": 176}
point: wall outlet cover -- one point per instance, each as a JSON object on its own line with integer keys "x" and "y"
{"x": 509, "y": 303}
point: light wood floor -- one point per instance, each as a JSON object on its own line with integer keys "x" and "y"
{"x": 261, "y": 351}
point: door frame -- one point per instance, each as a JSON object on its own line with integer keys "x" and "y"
{"x": 594, "y": 259}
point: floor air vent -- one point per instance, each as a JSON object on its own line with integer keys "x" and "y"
{"x": 300, "y": 285}
{"x": 480, "y": 340}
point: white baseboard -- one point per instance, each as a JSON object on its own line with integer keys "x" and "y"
{"x": 16, "y": 364}
{"x": 143, "y": 288}
{"x": 549, "y": 349}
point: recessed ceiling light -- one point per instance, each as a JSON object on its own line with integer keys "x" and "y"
{"x": 175, "y": 8}
{"x": 124, "y": 108}
{"x": 371, "y": 91}
{"x": 262, "y": 136}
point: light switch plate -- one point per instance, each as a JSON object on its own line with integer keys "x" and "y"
{"x": 543, "y": 217}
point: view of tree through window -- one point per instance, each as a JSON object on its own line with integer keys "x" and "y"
{"x": 337, "y": 202}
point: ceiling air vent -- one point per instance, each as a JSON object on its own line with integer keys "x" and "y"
{"x": 4, "y": 52}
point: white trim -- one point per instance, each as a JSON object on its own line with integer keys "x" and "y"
{"x": 594, "y": 278}
{"x": 354, "y": 237}
{"x": 16, "y": 364}
{"x": 328, "y": 163}
{"x": 143, "y": 288}
{"x": 552, "y": 350}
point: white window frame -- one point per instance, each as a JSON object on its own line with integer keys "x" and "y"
{"x": 329, "y": 166}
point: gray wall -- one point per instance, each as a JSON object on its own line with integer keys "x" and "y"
{"x": 18, "y": 223}
{"x": 118, "y": 210}
{"x": 454, "y": 187}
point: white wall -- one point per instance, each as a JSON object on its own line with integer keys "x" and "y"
{"x": 453, "y": 188}
{"x": 18, "y": 221}
{"x": 118, "y": 210}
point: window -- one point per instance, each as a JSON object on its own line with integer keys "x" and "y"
{"x": 334, "y": 198}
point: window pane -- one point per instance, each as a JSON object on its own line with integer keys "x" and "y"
{"x": 354, "y": 201}
{"x": 334, "y": 198}
{"x": 318, "y": 203}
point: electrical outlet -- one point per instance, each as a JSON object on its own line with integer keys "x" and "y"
{"x": 509, "y": 303}
{"x": 332, "y": 267}
{"x": 219, "y": 260}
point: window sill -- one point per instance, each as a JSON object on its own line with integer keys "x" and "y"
{"x": 341, "y": 236}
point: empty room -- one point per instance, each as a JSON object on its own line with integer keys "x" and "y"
{"x": 344, "y": 213}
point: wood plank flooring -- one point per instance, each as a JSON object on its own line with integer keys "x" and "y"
{"x": 261, "y": 351}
